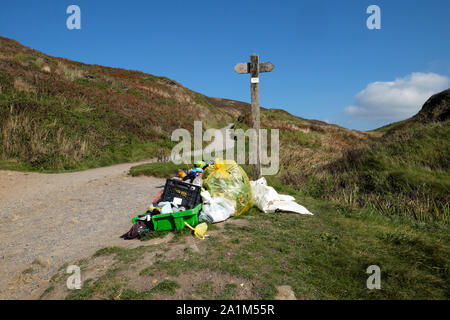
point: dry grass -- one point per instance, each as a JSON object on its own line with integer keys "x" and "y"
{"x": 69, "y": 73}
{"x": 21, "y": 85}
{"x": 23, "y": 138}
{"x": 114, "y": 110}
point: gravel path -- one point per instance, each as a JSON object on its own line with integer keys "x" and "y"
{"x": 49, "y": 219}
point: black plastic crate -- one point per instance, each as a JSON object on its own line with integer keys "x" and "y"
{"x": 189, "y": 193}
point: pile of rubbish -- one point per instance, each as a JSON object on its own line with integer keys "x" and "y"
{"x": 210, "y": 192}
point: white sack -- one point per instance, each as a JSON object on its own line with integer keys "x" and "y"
{"x": 269, "y": 201}
{"x": 216, "y": 209}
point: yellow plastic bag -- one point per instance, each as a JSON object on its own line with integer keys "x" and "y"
{"x": 199, "y": 230}
{"x": 227, "y": 179}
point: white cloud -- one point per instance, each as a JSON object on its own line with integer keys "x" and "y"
{"x": 396, "y": 100}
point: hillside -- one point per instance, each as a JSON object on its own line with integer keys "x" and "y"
{"x": 370, "y": 193}
{"x": 403, "y": 172}
{"x": 58, "y": 114}
{"x": 61, "y": 115}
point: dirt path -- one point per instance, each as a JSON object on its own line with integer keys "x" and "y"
{"x": 49, "y": 219}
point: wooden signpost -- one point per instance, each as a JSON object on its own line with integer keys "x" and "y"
{"x": 255, "y": 68}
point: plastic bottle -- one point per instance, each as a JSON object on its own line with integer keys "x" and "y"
{"x": 198, "y": 181}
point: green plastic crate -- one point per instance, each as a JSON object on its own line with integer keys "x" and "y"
{"x": 176, "y": 220}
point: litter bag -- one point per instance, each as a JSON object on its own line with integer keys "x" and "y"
{"x": 228, "y": 180}
{"x": 216, "y": 209}
{"x": 269, "y": 201}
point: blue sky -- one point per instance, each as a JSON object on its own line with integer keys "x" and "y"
{"x": 328, "y": 64}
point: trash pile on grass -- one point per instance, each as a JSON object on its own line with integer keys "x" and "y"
{"x": 210, "y": 192}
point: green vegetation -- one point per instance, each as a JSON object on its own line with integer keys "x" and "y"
{"x": 157, "y": 169}
{"x": 56, "y": 133}
{"x": 387, "y": 127}
{"x": 59, "y": 115}
{"x": 28, "y": 271}
{"x": 167, "y": 102}
{"x": 167, "y": 287}
{"x": 406, "y": 173}
{"x": 324, "y": 256}
{"x": 122, "y": 255}
{"x": 205, "y": 289}
{"x": 379, "y": 197}
{"x": 402, "y": 169}
{"x": 228, "y": 293}
{"x": 46, "y": 292}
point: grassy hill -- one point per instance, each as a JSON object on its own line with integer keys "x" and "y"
{"x": 60, "y": 115}
{"x": 399, "y": 169}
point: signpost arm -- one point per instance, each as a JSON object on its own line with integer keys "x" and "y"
{"x": 254, "y": 87}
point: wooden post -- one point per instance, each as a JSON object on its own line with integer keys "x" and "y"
{"x": 255, "y": 68}
{"x": 254, "y": 88}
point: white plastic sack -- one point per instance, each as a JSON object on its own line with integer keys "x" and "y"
{"x": 216, "y": 209}
{"x": 269, "y": 201}
{"x": 166, "y": 207}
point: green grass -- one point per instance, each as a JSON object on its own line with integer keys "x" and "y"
{"x": 55, "y": 134}
{"x": 129, "y": 294}
{"x": 167, "y": 101}
{"x": 158, "y": 169}
{"x": 82, "y": 116}
{"x": 46, "y": 292}
{"x": 96, "y": 84}
{"x": 228, "y": 293}
{"x": 387, "y": 127}
{"x": 153, "y": 235}
{"x": 167, "y": 287}
{"x": 406, "y": 173}
{"x": 122, "y": 255}
{"x": 324, "y": 256}
{"x": 204, "y": 290}
{"x": 28, "y": 271}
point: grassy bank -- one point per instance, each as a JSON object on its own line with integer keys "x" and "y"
{"x": 400, "y": 169}
{"x": 405, "y": 173}
{"x": 157, "y": 169}
{"x": 324, "y": 256}
{"x": 55, "y": 133}
{"x": 59, "y": 115}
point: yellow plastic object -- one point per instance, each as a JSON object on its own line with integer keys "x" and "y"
{"x": 151, "y": 208}
{"x": 227, "y": 179}
{"x": 199, "y": 230}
